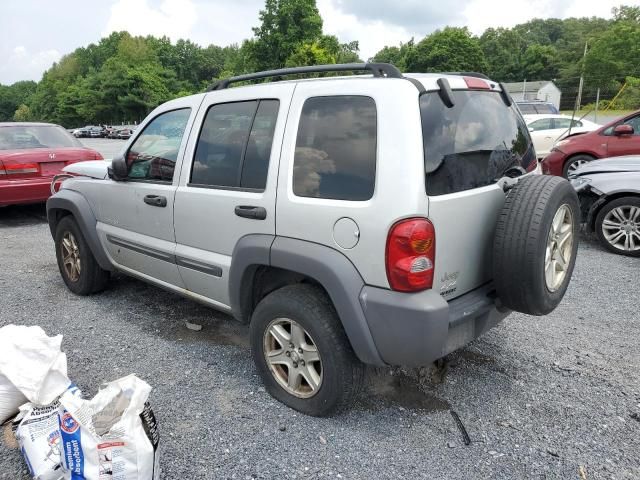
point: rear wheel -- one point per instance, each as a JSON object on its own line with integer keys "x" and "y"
{"x": 78, "y": 267}
{"x": 618, "y": 226}
{"x": 302, "y": 353}
{"x": 574, "y": 163}
{"x": 536, "y": 244}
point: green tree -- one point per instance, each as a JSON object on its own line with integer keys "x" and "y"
{"x": 310, "y": 54}
{"x": 12, "y": 96}
{"x": 23, "y": 114}
{"x": 540, "y": 62}
{"x": 284, "y": 26}
{"x": 504, "y": 49}
{"x": 395, "y": 55}
{"x": 450, "y": 49}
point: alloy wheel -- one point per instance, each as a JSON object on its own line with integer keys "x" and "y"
{"x": 559, "y": 248}
{"x": 71, "y": 256}
{"x": 574, "y": 165}
{"x": 293, "y": 357}
{"x": 621, "y": 228}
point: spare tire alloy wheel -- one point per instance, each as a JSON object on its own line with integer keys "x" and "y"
{"x": 293, "y": 358}
{"x": 71, "y": 256}
{"x": 536, "y": 243}
{"x": 618, "y": 226}
{"x": 559, "y": 248}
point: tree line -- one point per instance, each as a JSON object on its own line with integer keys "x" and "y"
{"x": 122, "y": 77}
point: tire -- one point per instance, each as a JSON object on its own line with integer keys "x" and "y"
{"x": 527, "y": 278}
{"x": 574, "y": 162}
{"x": 91, "y": 278}
{"x": 341, "y": 373}
{"x": 618, "y": 211}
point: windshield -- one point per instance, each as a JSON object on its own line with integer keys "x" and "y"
{"x": 475, "y": 143}
{"x": 21, "y": 137}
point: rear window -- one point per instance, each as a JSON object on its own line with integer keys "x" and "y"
{"x": 475, "y": 143}
{"x": 35, "y": 136}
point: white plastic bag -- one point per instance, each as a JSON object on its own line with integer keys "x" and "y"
{"x": 38, "y": 434}
{"x": 113, "y": 436}
{"x": 32, "y": 368}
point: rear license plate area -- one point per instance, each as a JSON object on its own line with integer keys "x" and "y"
{"x": 51, "y": 168}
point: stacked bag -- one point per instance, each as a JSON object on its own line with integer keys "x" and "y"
{"x": 63, "y": 436}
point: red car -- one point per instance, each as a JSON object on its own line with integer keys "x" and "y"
{"x": 620, "y": 137}
{"x": 30, "y": 155}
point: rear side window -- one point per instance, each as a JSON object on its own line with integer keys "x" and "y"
{"x": 475, "y": 143}
{"x": 234, "y": 146}
{"x": 153, "y": 155}
{"x": 335, "y": 156}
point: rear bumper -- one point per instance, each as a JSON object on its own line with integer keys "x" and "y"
{"x": 416, "y": 329}
{"x": 21, "y": 191}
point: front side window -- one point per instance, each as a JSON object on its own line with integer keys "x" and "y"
{"x": 475, "y": 143}
{"x": 36, "y": 136}
{"x": 542, "y": 124}
{"x": 335, "y": 156}
{"x": 635, "y": 123}
{"x": 153, "y": 155}
{"x": 234, "y": 146}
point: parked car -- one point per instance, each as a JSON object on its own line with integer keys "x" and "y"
{"x": 81, "y": 132}
{"x": 534, "y": 107}
{"x": 548, "y": 129}
{"x": 303, "y": 208}
{"x": 617, "y": 138}
{"x": 609, "y": 192}
{"x": 30, "y": 155}
{"x": 124, "y": 133}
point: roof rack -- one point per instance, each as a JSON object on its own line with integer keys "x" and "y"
{"x": 468, "y": 74}
{"x": 376, "y": 69}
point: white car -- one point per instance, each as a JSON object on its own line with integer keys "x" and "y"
{"x": 548, "y": 129}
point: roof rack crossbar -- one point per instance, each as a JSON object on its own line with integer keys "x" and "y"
{"x": 376, "y": 69}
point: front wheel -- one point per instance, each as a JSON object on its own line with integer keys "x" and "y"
{"x": 618, "y": 226}
{"x": 302, "y": 353}
{"x": 574, "y": 163}
{"x": 78, "y": 267}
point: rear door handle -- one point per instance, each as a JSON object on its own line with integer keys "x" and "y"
{"x": 155, "y": 200}
{"x": 248, "y": 211}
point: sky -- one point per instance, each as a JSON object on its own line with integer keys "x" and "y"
{"x": 36, "y": 33}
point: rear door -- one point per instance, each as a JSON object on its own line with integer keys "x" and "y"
{"x": 618, "y": 145}
{"x": 468, "y": 148}
{"x": 543, "y": 135}
{"x": 228, "y": 183}
{"x": 135, "y": 216}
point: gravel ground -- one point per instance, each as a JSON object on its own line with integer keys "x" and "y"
{"x": 552, "y": 397}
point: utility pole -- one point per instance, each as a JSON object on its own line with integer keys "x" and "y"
{"x": 524, "y": 90}
{"x": 579, "y": 97}
{"x": 597, "y": 103}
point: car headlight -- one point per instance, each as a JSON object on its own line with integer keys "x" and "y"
{"x": 560, "y": 143}
{"x": 580, "y": 183}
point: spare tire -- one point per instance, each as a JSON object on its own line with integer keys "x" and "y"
{"x": 536, "y": 242}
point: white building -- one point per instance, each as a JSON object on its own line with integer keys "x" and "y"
{"x": 544, "y": 90}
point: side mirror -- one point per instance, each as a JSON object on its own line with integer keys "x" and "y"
{"x": 623, "y": 129}
{"x": 118, "y": 170}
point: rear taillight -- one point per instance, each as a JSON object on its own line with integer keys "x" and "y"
{"x": 21, "y": 168}
{"x": 411, "y": 255}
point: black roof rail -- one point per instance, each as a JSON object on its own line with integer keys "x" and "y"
{"x": 377, "y": 69}
{"x": 468, "y": 74}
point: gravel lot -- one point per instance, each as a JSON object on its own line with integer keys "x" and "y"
{"x": 552, "y": 397}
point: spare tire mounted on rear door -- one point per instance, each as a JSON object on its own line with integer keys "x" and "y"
{"x": 536, "y": 242}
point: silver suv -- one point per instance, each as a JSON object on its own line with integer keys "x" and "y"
{"x": 380, "y": 219}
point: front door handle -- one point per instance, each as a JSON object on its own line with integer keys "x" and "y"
{"x": 248, "y": 211}
{"x": 155, "y": 200}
